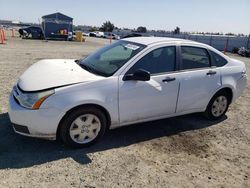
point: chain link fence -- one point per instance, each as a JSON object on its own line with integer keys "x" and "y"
{"x": 222, "y": 43}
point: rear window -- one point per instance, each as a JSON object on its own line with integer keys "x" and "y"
{"x": 218, "y": 60}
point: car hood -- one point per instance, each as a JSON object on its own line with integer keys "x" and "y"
{"x": 51, "y": 73}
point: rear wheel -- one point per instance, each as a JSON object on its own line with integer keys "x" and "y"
{"x": 83, "y": 127}
{"x": 218, "y": 106}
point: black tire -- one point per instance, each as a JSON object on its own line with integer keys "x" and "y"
{"x": 64, "y": 130}
{"x": 209, "y": 114}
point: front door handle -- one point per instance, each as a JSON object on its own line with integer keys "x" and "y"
{"x": 211, "y": 72}
{"x": 168, "y": 79}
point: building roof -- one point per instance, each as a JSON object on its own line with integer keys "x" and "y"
{"x": 58, "y": 16}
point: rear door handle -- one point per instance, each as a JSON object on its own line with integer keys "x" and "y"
{"x": 169, "y": 79}
{"x": 211, "y": 72}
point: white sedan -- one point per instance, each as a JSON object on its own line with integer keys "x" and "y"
{"x": 130, "y": 81}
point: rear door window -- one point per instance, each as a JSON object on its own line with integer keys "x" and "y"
{"x": 194, "y": 58}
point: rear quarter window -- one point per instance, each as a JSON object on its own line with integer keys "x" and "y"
{"x": 218, "y": 60}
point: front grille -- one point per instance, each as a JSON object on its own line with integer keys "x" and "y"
{"x": 21, "y": 128}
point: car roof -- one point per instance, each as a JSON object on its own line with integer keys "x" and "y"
{"x": 154, "y": 40}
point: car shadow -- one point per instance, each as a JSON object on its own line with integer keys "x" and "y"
{"x": 17, "y": 151}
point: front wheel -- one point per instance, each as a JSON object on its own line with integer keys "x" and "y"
{"x": 83, "y": 127}
{"x": 217, "y": 106}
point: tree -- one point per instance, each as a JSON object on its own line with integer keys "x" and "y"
{"x": 93, "y": 29}
{"x": 230, "y": 34}
{"x": 177, "y": 31}
{"x": 141, "y": 29}
{"x": 107, "y": 27}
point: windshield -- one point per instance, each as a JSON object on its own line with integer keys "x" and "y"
{"x": 109, "y": 59}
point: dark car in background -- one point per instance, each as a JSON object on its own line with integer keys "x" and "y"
{"x": 31, "y": 32}
{"x": 133, "y": 35}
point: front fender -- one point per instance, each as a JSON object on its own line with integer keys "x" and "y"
{"x": 98, "y": 93}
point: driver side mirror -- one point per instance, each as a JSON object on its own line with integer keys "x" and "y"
{"x": 139, "y": 75}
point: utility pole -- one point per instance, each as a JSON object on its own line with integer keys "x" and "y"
{"x": 226, "y": 45}
{"x": 248, "y": 41}
{"x": 210, "y": 42}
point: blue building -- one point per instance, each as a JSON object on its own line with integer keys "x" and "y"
{"x": 57, "y": 26}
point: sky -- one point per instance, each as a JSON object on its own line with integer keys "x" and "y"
{"x": 190, "y": 15}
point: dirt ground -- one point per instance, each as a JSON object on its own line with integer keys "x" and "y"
{"x": 187, "y": 151}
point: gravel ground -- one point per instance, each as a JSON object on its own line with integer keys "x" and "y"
{"x": 187, "y": 151}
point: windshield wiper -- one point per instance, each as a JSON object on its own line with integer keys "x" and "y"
{"x": 92, "y": 70}
{"x": 86, "y": 67}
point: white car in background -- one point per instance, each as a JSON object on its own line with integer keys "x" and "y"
{"x": 108, "y": 35}
{"x": 130, "y": 81}
{"x": 99, "y": 34}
